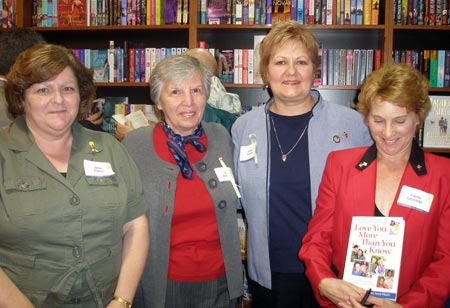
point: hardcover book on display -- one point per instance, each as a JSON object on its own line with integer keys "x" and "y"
{"x": 435, "y": 126}
{"x": 281, "y": 11}
{"x": 216, "y": 12}
{"x": 72, "y": 13}
{"x": 374, "y": 254}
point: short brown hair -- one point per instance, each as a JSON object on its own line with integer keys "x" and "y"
{"x": 41, "y": 63}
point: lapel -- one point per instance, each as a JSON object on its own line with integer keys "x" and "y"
{"x": 365, "y": 177}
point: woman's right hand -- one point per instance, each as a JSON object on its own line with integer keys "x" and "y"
{"x": 122, "y": 130}
{"x": 339, "y": 291}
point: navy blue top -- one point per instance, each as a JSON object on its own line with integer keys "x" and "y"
{"x": 290, "y": 192}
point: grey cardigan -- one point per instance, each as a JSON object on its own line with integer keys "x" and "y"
{"x": 332, "y": 127}
{"x": 156, "y": 174}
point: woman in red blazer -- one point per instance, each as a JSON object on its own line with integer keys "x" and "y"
{"x": 368, "y": 181}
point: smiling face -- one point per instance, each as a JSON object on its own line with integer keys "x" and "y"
{"x": 52, "y": 106}
{"x": 290, "y": 73}
{"x": 183, "y": 104}
{"x": 392, "y": 127}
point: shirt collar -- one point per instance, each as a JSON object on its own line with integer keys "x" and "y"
{"x": 416, "y": 159}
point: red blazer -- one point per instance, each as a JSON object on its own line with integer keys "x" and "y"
{"x": 348, "y": 190}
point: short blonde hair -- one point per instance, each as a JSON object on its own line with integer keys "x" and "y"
{"x": 398, "y": 84}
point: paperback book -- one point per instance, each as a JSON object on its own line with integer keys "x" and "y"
{"x": 435, "y": 126}
{"x": 374, "y": 254}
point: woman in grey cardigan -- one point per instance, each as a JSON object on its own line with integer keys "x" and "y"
{"x": 194, "y": 258}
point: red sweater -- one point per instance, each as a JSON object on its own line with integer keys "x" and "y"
{"x": 195, "y": 252}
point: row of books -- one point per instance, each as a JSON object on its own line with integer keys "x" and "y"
{"x": 348, "y": 67}
{"x": 128, "y": 64}
{"x": 434, "y": 64}
{"x": 339, "y": 67}
{"x": 60, "y": 13}
{"x": 421, "y": 12}
{"x": 331, "y": 12}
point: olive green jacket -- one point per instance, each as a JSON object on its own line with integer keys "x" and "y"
{"x": 61, "y": 236}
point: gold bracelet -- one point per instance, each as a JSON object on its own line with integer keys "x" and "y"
{"x": 124, "y": 302}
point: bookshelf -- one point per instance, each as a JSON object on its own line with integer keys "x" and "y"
{"x": 386, "y": 35}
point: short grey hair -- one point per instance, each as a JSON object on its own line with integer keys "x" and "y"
{"x": 177, "y": 69}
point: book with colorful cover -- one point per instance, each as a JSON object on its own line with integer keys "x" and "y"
{"x": 216, "y": 12}
{"x": 435, "y": 127}
{"x": 72, "y": 13}
{"x": 109, "y": 109}
{"x": 374, "y": 253}
{"x": 99, "y": 64}
{"x": 281, "y": 11}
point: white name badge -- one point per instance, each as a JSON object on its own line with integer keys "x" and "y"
{"x": 224, "y": 174}
{"x": 415, "y": 198}
{"x": 247, "y": 152}
{"x": 97, "y": 168}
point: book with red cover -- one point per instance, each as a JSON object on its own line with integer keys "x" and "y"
{"x": 72, "y": 13}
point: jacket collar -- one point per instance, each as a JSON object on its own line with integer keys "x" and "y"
{"x": 22, "y": 140}
{"x": 314, "y": 93}
{"x": 416, "y": 159}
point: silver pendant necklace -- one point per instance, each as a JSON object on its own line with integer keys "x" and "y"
{"x": 285, "y": 155}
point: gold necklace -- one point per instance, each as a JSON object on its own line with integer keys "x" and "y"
{"x": 283, "y": 155}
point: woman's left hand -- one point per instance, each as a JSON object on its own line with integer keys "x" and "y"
{"x": 376, "y": 302}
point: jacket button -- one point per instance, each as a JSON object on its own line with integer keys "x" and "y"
{"x": 202, "y": 167}
{"x": 74, "y": 200}
{"x": 212, "y": 183}
{"x": 222, "y": 204}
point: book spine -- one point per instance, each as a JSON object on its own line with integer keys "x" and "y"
{"x": 362, "y": 66}
{"x": 347, "y": 12}
{"x": 111, "y": 58}
{"x": 185, "y": 12}
{"x": 367, "y": 12}
{"x": 268, "y": 12}
{"x": 236, "y": 65}
{"x": 433, "y": 68}
{"x": 126, "y": 62}
{"x": 245, "y": 66}
{"x": 353, "y": 12}
{"x": 132, "y": 57}
{"x": 440, "y": 69}
{"x": 330, "y": 13}
{"x": 300, "y": 12}
{"x": 432, "y": 13}
{"x": 359, "y": 12}
{"x": 202, "y": 12}
{"x": 293, "y": 9}
{"x": 324, "y": 66}
{"x": 137, "y": 65}
{"x": 447, "y": 69}
{"x": 250, "y": 66}
{"x": 349, "y": 68}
